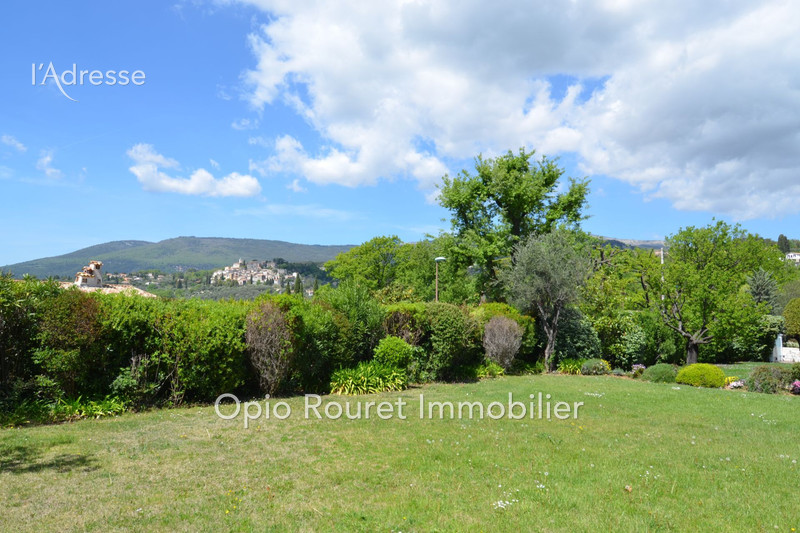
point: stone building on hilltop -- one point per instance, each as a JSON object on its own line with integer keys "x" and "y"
{"x": 90, "y": 276}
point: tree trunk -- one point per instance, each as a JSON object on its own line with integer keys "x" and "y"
{"x": 691, "y": 352}
{"x": 549, "y": 349}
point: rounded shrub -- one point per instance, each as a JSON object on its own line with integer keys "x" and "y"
{"x": 394, "y": 351}
{"x": 660, "y": 373}
{"x": 501, "y": 340}
{"x": 768, "y": 379}
{"x": 485, "y": 312}
{"x": 701, "y": 375}
{"x": 595, "y": 367}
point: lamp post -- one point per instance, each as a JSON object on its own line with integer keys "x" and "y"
{"x": 438, "y": 260}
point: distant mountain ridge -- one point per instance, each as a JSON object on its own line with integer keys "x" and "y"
{"x": 202, "y": 253}
{"x": 632, "y": 243}
{"x": 169, "y": 255}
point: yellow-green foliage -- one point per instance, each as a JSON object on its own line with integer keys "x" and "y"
{"x": 701, "y": 375}
{"x": 368, "y": 378}
{"x": 490, "y": 369}
{"x": 570, "y": 366}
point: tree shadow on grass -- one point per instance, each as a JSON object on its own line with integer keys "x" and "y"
{"x": 28, "y": 459}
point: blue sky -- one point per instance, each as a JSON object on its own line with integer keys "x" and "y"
{"x": 332, "y": 122}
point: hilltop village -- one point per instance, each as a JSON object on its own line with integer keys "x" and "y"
{"x": 254, "y": 272}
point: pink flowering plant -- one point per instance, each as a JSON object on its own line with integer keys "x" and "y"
{"x": 796, "y": 387}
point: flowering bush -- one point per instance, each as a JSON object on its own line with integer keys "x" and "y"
{"x": 768, "y": 379}
{"x": 730, "y": 379}
{"x": 738, "y": 384}
{"x": 595, "y": 367}
{"x": 796, "y": 387}
{"x": 637, "y": 370}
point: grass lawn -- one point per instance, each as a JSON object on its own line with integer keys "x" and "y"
{"x": 640, "y": 457}
{"x": 743, "y": 370}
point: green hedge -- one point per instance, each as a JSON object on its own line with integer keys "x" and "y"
{"x": 58, "y": 344}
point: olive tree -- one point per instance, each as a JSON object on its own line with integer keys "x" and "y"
{"x": 546, "y": 276}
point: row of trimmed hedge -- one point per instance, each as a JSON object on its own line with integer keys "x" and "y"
{"x": 57, "y": 343}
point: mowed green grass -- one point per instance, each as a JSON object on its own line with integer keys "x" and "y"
{"x": 743, "y": 370}
{"x": 640, "y": 457}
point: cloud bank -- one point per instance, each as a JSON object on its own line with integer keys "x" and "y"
{"x": 698, "y": 103}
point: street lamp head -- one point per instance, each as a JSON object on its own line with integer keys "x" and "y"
{"x": 440, "y": 259}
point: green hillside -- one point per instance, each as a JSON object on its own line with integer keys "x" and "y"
{"x": 173, "y": 254}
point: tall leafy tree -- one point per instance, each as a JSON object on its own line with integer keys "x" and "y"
{"x": 783, "y": 243}
{"x": 545, "y": 278}
{"x": 612, "y": 298}
{"x": 372, "y": 264}
{"x": 507, "y": 199}
{"x": 698, "y": 289}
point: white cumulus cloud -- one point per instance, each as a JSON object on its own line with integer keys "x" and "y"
{"x": 147, "y": 169}
{"x": 698, "y": 103}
